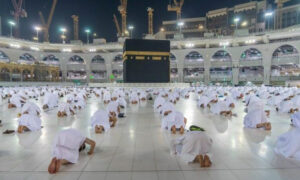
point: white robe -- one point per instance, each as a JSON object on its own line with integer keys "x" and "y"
{"x": 32, "y": 122}
{"x": 16, "y": 100}
{"x": 159, "y": 101}
{"x": 101, "y": 118}
{"x": 175, "y": 118}
{"x": 65, "y": 107}
{"x": 254, "y": 117}
{"x": 113, "y": 107}
{"x": 192, "y": 144}
{"x": 288, "y": 144}
{"x": 66, "y": 145}
{"x": 219, "y": 107}
{"x": 31, "y": 108}
{"x": 203, "y": 100}
{"x": 296, "y": 119}
{"x": 51, "y": 100}
{"x": 286, "y": 106}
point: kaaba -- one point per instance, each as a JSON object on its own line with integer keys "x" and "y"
{"x": 146, "y": 61}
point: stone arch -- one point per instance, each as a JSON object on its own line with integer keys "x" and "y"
{"x": 194, "y": 56}
{"x": 251, "y": 54}
{"x": 221, "y": 55}
{"x": 76, "y": 60}
{"x": 4, "y": 57}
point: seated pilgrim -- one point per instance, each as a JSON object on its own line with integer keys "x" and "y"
{"x": 230, "y": 101}
{"x": 113, "y": 110}
{"x": 65, "y": 109}
{"x": 166, "y": 108}
{"x": 158, "y": 102}
{"x": 100, "y": 121}
{"x": 30, "y": 108}
{"x": 174, "y": 121}
{"x": 143, "y": 96}
{"x": 257, "y": 117}
{"x": 295, "y": 120}
{"x": 79, "y": 102}
{"x": 172, "y": 98}
{"x": 122, "y": 102}
{"x": 287, "y": 107}
{"x": 203, "y": 101}
{"x": 66, "y": 148}
{"x": 106, "y": 97}
{"x": 221, "y": 108}
{"x": 16, "y": 101}
{"x": 134, "y": 98}
{"x": 288, "y": 144}
{"x": 29, "y": 122}
{"x": 50, "y": 101}
{"x": 193, "y": 147}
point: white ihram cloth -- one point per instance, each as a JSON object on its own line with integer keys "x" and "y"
{"x": 65, "y": 107}
{"x": 106, "y": 96}
{"x": 229, "y": 100}
{"x": 203, "y": 100}
{"x": 113, "y": 107}
{"x": 16, "y": 100}
{"x": 51, "y": 100}
{"x": 66, "y": 145}
{"x": 219, "y": 107}
{"x": 192, "y": 144}
{"x": 167, "y": 106}
{"x": 288, "y": 144}
{"x": 159, "y": 101}
{"x": 255, "y": 115}
{"x": 286, "y": 106}
{"x": 100, "y": 118}
{"x": 296, "y": 119}
{"x": 134, "y": 97}
{"x": 122, "y": 102}
{"x": 31, "y": 108}
{"x": 32, "y": 122}
{"x": 174, "y": 118}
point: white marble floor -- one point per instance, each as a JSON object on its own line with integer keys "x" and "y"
{"x": 138, "y": 149}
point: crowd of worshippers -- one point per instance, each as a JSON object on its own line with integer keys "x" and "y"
{"x": 194, "y": 144}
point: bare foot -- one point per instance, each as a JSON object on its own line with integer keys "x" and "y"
{"x": 207, "y": 162}
{"x": 201, "y": 161}
{"x": 52, "y": 166}
{"x": 268, "y": 126}
{"x": 173, "y": 129}
{"x": 181, "y": 130}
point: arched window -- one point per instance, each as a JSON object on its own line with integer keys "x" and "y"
{"x": 221, "y": 55}
{"x": 4, "y": 57}
{"x": 251, "y": 54}
{"x": 27, "y": 58}
{"x": 98, "y": 59}
{"x": 76, "y": 60}
{"x": 51, "y": 59}
{"x": 285, "y": 50}
{"x": 172, "y": 57}
{"x": 194, "y": 56}
{"x": 118, "y": 58}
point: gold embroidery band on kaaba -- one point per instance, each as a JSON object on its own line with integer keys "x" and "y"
{"x": 141, "y": 55}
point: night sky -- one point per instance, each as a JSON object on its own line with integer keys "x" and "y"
{"x": 98, "y": 15}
